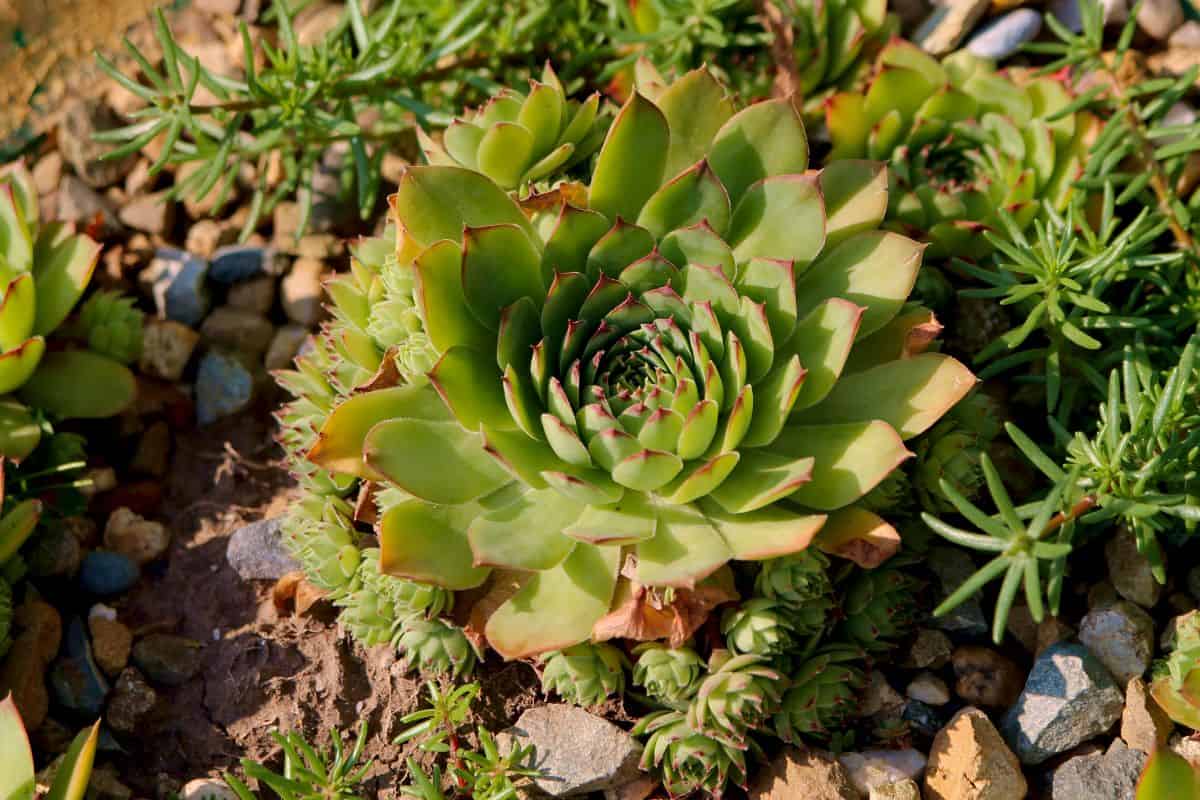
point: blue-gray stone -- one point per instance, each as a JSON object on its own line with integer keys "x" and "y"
{"x": 952, "y": 567}
{"x": 180, "y": 289}
{"x": 224, "y": 386}
{"x": 1004, "y": 36}
{"x": 105, "y": 573}
{"x": 1112, "y": 775}
{"x": 78, "y": 684}
{"x": 1068, "y": 698}
{"x": 1067, "y": 12}
{"x": 256, "y": 552}
{"x": 167, "y": 659}
{"x": 923, "y": 718}
{"x": 235, "y": 262}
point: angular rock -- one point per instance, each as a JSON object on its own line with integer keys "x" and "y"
{"x": 1129, "y": 570}
{"x": 256, "y": 552}
{"x": 1098, "y": 776}
{"x": 76, "y": 681}
{"x": 1068, "y": 698}
{"x": 238, "y": 329}
{"x": 167, "y": 346}
{"x": 577, "y": 752}
{"x": 1122, "y": 637}
{"x": 879, "y": 696}
{"x": 178, "y": 285}
{"x": 952, "y": 566}
{"x": 1186, "y": 36}
{"x": 985, "y": 677}
{"x": 808, "y": 774}
{"x": 924, "y": 718}
{"x": 140, "y": 540}
{"x": 285, "y": 345}
{"x": 224, "y": 386}
{"x": 1144, "y": 726}
{"x": 105, "y": 574}
{"x": 872, "y": 769}
{"x": 1160, "y": 18}
{"x": 167, "y": 659}
{"x": 969, "y": 761}
{"x": 928, "y": 688}
{"x": 1004, "y": 36}
{"x": 131, "y": 700}
{"x": 54, "y": 553}
{"x": 84, "y": 118}
{"x": 930, "y": 649}
{"x": 948, "y": 24}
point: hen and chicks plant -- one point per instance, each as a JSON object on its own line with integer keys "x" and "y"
{"x": 687, "y": 361}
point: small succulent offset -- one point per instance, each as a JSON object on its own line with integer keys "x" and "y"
{"x": 880, "y": 605}
{"x": 1176, "y": 682}
{"x": 689, "y": 759}
{"x": 690, "y": 360}
{"x": 738, "y": 695}
{"x": 44, "y": 269}
{"x": 519, "y": 139}
{"x": 836, "y": 43}
{"x": 821, "y": 695}
{"x": 670, "y": 676}
{"x": 586, "y": 674}
{"x": 964, "y": 142}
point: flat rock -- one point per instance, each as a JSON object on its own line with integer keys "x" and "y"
{"x": 167, "y": 659}
{"x": 1098, "y": 776}
{"x": 928, "y": 688}
{"x": 256, "y": 552}
{"x": 969, "y": 761}
{"x": 577, "y": 752}
{"x": 238, "y": 329}
{"x": 149, "y": 213}
{"x": 1068, "y": 698}
{"x": 930, "y": 649}
{"x": 807, "y": 774}
{"x": 1121, "y": 635}
{"x": 1160, "y": 18}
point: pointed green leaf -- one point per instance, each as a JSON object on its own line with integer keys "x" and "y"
{"x": 16, "y": 311}
{"x": 696, "y": 107}
{"x": 424, "y": 542}
{"x": 647, "y": 470}
{"x": 542, "y": 115}
{"x": 781, "y": 217}
{"x": 439, "y": 293}
{"x": 54, "y": 385}
{"x": 436, "y": 202}
{"x": 17, "y": 777}
{"x": 774, "y": 398}
{"x": 699, "y": 245}
{"x": 631, "y": 162}
{"x": 1168, "y": 776}
{"x": 75, "y": 770}
{"x": 822, "y": 341}
{"x": 686, "y": 549}
{"x": 524, "y": 457}
{"x": 764, "y": 140}
{"x": 631, "y": 520}
{"x": 500, "y": 266}
{"x": 875, "y": 269}
{"x": 624, "y": 244}
{"x": 766, "y": 533}
{"x": 575, "y": 234}
{"x": 699, "y": 479}
{"x": 556, "y": 608}
{"x": 461, "y": 140}
{"x": 339, "y": 444}
{"x": 526, "y": 534}
{"x": 435, "y": 461}
{"x": 63, "y": 266}
{"x": 693, "y": 196}
{"x": 588, "y": 487}
{"x": 761, "y": 478}
{"x": 469, "y": 385}
{"x": 909, "y": 395}
{"x": 856, "y": 198}
{"x": 505, "y": 151}
{"x": 849, "y": 460}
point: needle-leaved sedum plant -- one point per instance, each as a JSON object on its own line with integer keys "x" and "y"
{"x": 694, "y": 358}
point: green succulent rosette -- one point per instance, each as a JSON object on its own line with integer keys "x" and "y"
{"x": 739, "y": 694}
{"x": 687, "y": 759}
{"x": 964, "y": 142}
{"x": 670, "y": 675}
{"x": 44, "y": 270}
{"x": 520, "y": 139}
{"x": 821, "y": 695}
{"x": 835, "y": 43}
{"x": 683, "y": 363}
{"x": 1175, "y": 684}
{"x": 586, "y": 674}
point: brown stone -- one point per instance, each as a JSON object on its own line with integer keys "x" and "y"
{"x": 111, "y": 644}
{"x": 141, "y": 540}
{"x": 1050, "y": 631}
{"x": 238, "y": 329}
{"x": 985, "y": 677}
{"x": 807, "y": 774}
{"x": 1144, "y": 726}
{"x": 166, "y": 347}
{"x": 153, "y": 450}
{"x": 970, "y": 761}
